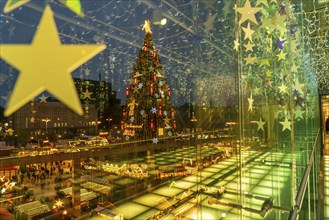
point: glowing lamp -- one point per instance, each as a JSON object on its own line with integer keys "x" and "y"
{"x": 266, "y": 207}
{"x": 163, "y": 21}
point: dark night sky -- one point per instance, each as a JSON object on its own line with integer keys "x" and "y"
{"x": 195, "y": 46}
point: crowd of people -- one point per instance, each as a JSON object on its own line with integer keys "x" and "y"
{"x": 43, "y": 174}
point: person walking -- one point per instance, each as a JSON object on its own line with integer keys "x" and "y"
{"x": 28, "y": 174}
{"x": 22, "y": 178}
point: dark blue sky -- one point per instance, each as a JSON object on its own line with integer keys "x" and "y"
{"x": 195, "y": 46}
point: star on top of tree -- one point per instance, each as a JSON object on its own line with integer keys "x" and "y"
{"x": 43, "y": 98}
{"x": 147, "y": 26}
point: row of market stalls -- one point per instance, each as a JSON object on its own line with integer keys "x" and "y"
{"x": 34, "y": 210}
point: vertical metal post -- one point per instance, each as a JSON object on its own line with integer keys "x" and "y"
{"x": 76, "y": 174}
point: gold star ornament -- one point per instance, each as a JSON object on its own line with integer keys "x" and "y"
{"x": 46, "y": 65}
{"x": 248, "y": 13}
{"x": 286, "y": 124}
{"x": 73, "y": 5}
{"x": 248, "y": 32}
{"x": 12, "y": 4}
{"x": 260, "y": 124}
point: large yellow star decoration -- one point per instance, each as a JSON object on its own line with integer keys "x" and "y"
{"x": 248, "y": 32}
{"x": 46, "y": 65}
{"x": 73, "y": 5}
{"x": 248, "y": 13}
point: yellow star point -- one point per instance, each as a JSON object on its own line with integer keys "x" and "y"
{"x": 248, "y": 13}
{"x": 87, "y": 94}
{"x": 281, "y": 56}
{"x": 147, "y": 26}
{"x": 12, "y": 4}
{"x": 286, "y": 124}
{"x": 268, "y": 73}
{"x": 74, "y": 6}
{"x": 236, "y": 45}
{"x": 46, "y": 65}
{"x": 299, "y": 86}
{"x": 250, "y": 102}
{"x": 260, "y": 124}
{"x": 264, "y": 62}
{"x": 283, "y": 88}
{"x": 294, "y": 68}
{"x": 248, "y": 32}
{"x": 249, "y": 59}
{"x": 264, "y": 2}
{"x": 249, "y": 46}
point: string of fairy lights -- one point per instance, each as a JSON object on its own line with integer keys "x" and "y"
{"x": 317, "y": 38}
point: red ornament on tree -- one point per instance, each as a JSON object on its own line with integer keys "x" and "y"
{"x": 152, "y": 124}
{"x": 160, "y": 111}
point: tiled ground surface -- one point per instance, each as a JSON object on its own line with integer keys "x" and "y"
{"x": 267, "y": 176}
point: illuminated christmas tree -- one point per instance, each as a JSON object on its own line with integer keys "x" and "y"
{"x": 148, "y": 113}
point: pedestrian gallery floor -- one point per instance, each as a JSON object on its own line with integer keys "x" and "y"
{"x": 265, "y": 175}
